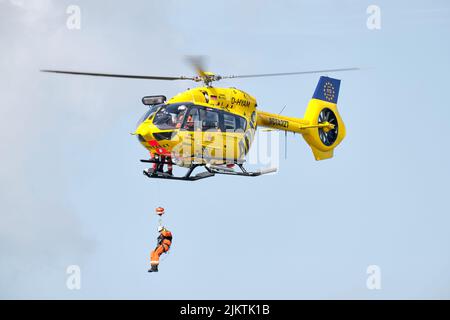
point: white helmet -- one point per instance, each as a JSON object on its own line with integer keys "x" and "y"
{"x": 160, "y": 228}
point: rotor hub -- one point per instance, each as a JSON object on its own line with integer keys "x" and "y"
{"x": 328, "y": 133}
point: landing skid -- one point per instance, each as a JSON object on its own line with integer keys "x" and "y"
{"x": 187, "y": 177}
{"x": 225, "y": 170}
{"x": 211, "y": 171}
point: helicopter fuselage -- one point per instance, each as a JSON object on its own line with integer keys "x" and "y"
{"x": 201, "y": 125}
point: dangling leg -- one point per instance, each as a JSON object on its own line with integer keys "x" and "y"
{"x": 154, "y": 258}
{"x": 161, "y": 164}
{"x": 152, "y": 170}
{"x": 154, "y": 165}
{"x": 169, "y": 166}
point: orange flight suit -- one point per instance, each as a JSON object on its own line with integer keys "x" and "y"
{"x": 164, "y": 242}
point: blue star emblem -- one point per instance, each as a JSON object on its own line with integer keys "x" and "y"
{"x": 328, "y": 91}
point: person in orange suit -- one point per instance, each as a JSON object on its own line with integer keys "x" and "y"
{"x": 163, "y": 246}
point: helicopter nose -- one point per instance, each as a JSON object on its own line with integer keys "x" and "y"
{"x": 143, "y": 133}
{"x": 140, "y": 138}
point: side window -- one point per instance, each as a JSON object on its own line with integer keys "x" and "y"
{"x": 210, "y": 119}
{"x": 241, "y": 123}
{"x": 229, "y": 121}
{"x": 192, "y": 120}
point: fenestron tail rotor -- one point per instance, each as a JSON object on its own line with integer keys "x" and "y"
{"x": 328, "y": 135}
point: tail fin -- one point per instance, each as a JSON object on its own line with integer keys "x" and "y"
{"x": 322, "y": 109}
{"x": 327, "y": 90}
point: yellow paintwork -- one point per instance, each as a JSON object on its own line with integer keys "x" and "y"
{"x": 215, "y": 144}
{"x": 187, "y": 146}
{"x": 307, "y": 126}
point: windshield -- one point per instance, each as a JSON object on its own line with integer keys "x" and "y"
{"x": 170, "y": 117}
{"x": 147, "y": 114}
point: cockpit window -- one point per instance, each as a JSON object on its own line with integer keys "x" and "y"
{"x": 147, "y": 114}
{"x": 170, "y": 117}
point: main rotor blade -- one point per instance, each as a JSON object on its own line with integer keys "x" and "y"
{"x": 111, "y": 75}
{"x": 198, "y": 62}
{"x": 287, "y": 73}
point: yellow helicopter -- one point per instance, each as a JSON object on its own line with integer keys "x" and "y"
{"x": 214, "y": 127}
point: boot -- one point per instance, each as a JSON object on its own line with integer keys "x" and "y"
{"x": 154, "y": 268}
{"x": 160, "y": 168}
{"x": 149, "y": 172}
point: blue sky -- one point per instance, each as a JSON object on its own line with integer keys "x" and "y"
{"x": 72, "y": 185}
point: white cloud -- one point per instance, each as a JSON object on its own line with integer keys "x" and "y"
{"x": 43, "y": 116}
{"x": 39, "y": 232}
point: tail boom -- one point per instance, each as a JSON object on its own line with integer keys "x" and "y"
{"x": 279, "y": 122}
{"x": 283, "y": 123}
{"x": 321, "y": 127}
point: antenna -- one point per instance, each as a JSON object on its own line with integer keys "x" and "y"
{"x": 285, "y": 136}
{"x": 285, "y": 145}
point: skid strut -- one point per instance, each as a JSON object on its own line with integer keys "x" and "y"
{"x": 211, "y": 170}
